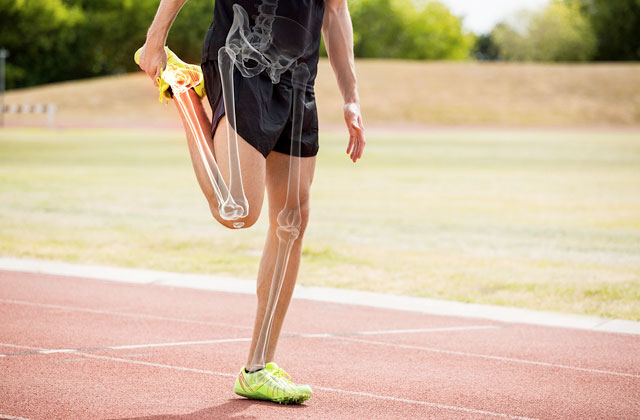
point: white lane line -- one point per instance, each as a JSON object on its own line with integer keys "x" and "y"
{"x": 57, "y": 351}
{"x": 421, "y": 330}
{"x": 491, "y": 357}
{"x": 158, "y": 365}
{"x": 36, "y": 349}
{"x": 410, "y": 331}
{"x": 179, "y": 343}
{"x": 131, "y": 355}
{"x": 344, "y": 337}
{"x": 339, "y": 391}
{"x": 8, "y": 417}
{"x": 22, "y": 347}
{"x": 322, "y": 335}
{"x": 124, "y": 314}
{"x": 244, "y": 339}
{"x": 426, "y": 403}
{"x": 127, "y": 346}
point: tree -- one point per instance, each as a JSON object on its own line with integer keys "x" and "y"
{"x": 406, "y": 29}
{"x": 40, "y": 35}
{"x": 111, "y": 32}
{"x": 189, "y": 29}
{"x": 485, "y": 48}
{"x": 616, "y": 24}
{"x": 55, "y": 40}
{"x": 559, "y": 32}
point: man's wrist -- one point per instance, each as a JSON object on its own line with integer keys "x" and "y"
{"x": 155, "y": 38}
{"x": 154, "y": 42}
{"x": 352, "y": 101}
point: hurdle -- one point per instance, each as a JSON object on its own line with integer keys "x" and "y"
{"x": 48, "y": 109}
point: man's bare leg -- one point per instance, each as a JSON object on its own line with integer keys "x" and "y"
{"x": 253, "y": 164}
{"x": 277, "y": 176}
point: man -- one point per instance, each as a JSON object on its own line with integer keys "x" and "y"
{"x": 264, "y": 129}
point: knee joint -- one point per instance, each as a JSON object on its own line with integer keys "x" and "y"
{"x": 241, "y": 223}
{"x": 289, "y": 223}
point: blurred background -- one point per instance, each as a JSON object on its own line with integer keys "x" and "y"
{"x": 502, "y": 164}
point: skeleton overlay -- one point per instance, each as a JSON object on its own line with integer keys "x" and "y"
{"x": 274, "y": 45}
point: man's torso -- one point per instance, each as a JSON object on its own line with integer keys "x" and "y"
{"x": 307, "y": 14}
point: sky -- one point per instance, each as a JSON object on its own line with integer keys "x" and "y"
{"x": 480, "y": 16}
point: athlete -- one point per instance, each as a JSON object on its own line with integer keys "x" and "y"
{"x": 264, "y": 134}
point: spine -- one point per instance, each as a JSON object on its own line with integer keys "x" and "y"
{"x": 264, "y": 22}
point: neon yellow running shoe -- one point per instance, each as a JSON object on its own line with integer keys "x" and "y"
{"x": 304, "y": 390}
{"x": 267, "y": 386}
{"x": 189, "y": 74}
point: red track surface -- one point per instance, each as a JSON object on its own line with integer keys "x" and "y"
{"x": 452, "y": 368}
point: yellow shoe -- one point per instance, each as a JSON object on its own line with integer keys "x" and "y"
{"x": 304, "y": 391}
{"x": 180, "y": 72}
{"x": 265, "y": 385}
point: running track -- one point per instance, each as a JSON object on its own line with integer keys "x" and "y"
{"x": 74, "y": 348}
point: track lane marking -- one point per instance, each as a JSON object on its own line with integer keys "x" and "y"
{"x": 492, "y": 357}
{"x": 193, "y": 321}
{"x": 178, "y": 343}
{"x": 117, "y": 313}
{"x": 243, "y": 339}
{"x": 335, "y": 390}
{"x": 37, "y": 350}
{"x": 426, "y": 403}
{"x": 57, "y": 351}
{"x": 408, "y": 331}
{"x": 158, "y": 365}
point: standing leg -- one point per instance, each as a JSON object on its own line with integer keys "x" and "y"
{"x": 289, "y": 219}
{"x": 277, "y": 175}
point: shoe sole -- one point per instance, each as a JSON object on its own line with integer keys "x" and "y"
{"x": 284, "y": 400}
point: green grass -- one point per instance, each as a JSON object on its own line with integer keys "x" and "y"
{"x": 539, "y": 219}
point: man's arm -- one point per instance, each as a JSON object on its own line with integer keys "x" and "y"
{"x": 338, "y": 38}
{"x": 153, "y": 58}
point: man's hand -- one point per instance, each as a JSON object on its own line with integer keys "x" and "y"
{"x": 338, "y": 37}
{"x": 353, "y": 118}
{"x": 153, "y": 61}
{"x": 153, "y": 58}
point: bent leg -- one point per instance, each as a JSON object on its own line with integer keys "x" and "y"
{"x": 253, "y": 171}
{"x": 277, "y": 178}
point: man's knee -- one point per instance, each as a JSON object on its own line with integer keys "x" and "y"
{"x": 242, "y": 223}
{"x": 293, "y": 220}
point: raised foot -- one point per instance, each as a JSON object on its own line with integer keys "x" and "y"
{"x": 189, "y": 76}
{"x": 181, "y": 79}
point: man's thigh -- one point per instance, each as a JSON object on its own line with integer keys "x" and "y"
{"x": 278, "y": 177}
{"x": 252, "y": 163}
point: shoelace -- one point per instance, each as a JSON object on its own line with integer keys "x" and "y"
{"x": 284, "y": 376}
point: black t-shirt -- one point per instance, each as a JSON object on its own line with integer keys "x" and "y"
{"x": 307, "y": 13}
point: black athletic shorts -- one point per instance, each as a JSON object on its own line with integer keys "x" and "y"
{"x": 263, "y": 111}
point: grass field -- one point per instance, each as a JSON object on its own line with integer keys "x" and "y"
{"x": 543, "y": 219}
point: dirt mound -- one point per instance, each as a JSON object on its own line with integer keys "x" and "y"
{"x": 392, "y": 92}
